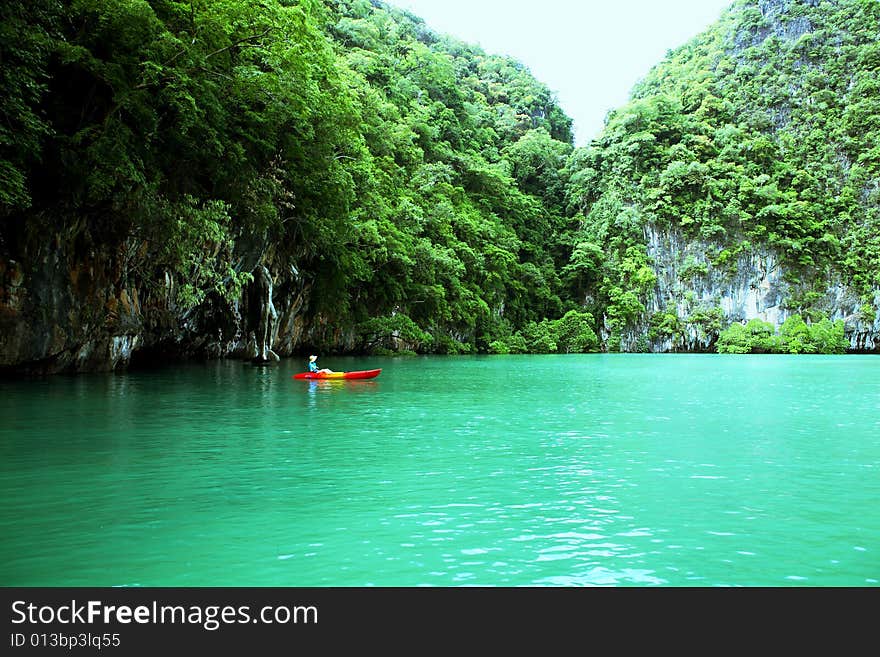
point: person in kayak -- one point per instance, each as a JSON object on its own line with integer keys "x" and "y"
{"x": 313, "y": 366}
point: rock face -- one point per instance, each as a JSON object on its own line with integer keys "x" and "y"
{"x": 74, "y": 305}
{"x": 71, "y": 304}
{"x": 749, "y": 285}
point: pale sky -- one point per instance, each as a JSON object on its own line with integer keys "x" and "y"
{"x": 589, "y": 52}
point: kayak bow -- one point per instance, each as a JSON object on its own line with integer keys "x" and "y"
{"x": 362, "y": 374}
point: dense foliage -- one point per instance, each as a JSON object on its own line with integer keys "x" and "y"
{"x": 428, "y": 192}
{"x": 794, "y": 337}
{"x": 762, "y": 131}
{"x": 411, "y": 178}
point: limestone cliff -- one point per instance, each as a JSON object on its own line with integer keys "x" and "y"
{"x": 744, "y": 178}
{"x": 752, "y": 284}
{"x": 74, "y": 304}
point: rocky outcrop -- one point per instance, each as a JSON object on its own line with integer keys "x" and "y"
{"x": 72, "y": 304}
{"x": 264, "y": 317}
{"x": 63, "y": 306}
{"x": 754, "y": 283}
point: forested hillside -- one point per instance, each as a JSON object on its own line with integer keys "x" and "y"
{"x": 234, "y": 177}
{"x": 254, "y": 180}
{"x": 742, "y": 182}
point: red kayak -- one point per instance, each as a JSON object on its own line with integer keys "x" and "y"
{"x": 362, "y": 374}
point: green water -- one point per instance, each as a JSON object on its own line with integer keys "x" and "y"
{"x": 628, "y": 470}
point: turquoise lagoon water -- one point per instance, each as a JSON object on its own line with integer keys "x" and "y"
{"x": 577, "y": 470}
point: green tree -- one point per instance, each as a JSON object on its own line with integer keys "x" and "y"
{"x": 574, "y": 332}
